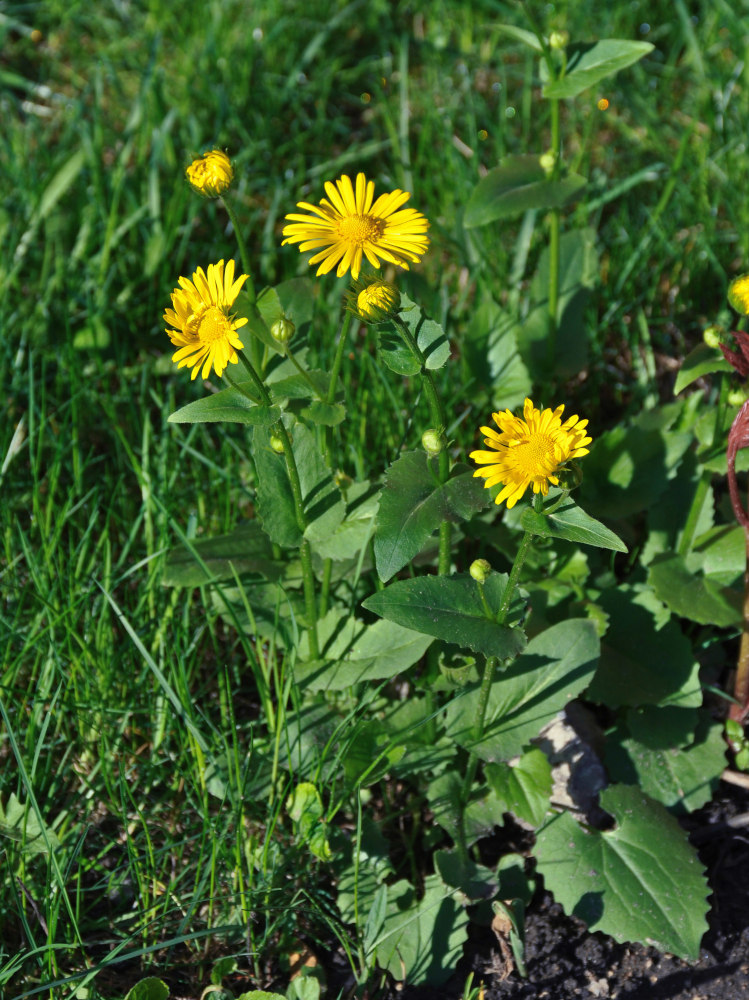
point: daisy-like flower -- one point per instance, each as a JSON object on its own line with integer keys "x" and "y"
{"x": 205, "y": 331}
{"x": 349, "y": 225}
{"x": 210, "y": 174}
{"x": 529, "y": 451}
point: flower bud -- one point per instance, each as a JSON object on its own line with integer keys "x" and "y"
{"x": 282, "y": 330}
{"x": 712, "y": 335}
{"x": 480, "y": 570}
{"x": 432, "y": 442}
{"x": 210, "y": 174}
{"x": 276, "y": 444}
{"x": 738, "y": 294}
{"x": 376, "y": 301}
{"x": 559, "y": 39}
{"x": 737, "y": 397}
{"x": 547, "y": 162}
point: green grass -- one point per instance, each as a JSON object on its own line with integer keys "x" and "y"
{"x": 116, "y": 691}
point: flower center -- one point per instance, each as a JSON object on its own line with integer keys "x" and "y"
{"x": 209, "y": 325}
{"x": 359, "y": 229}
{"x": 536, "y": 456}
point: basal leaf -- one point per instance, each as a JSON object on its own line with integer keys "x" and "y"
{"x": 524, "y": 787}
{"x": 247, "y": 549}
{"x": 694, "y": 595}
{"x": 587, "y": 64}
{"x": 450, "y": 608}
{"x": 151, "y": 988}
{"x": 556, "y": 666}
{"x": 643, "y": 661}
{"x": 421, "y": 940}
{"x": 518, "y": 184}
{"x": 641, "y": 881}
{"x": 681, "y": 778}
{"x": 572, "y": 523}
{"x": 474, "y": 881}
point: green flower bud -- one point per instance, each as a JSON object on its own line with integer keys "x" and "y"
{"x": 432, "y": 442}
{"x": 282, "y": 330}
{"x": 547, "y": 162}
{"x": 559, "y": 39}
{"x": 712, "y": 335}
{"x": 737, "y": 397}
{"x": 480, "y": 570}
{"x": 276, "y": 444}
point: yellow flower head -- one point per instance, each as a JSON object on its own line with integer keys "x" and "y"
{"x": 738, "y": 294}
{"x": 347, "y": 226}
{"x": 210, "y": 174}
{"x": 529, "y": 451}
{"x": 375, "y": 301}
{"x": 205, "y": 332}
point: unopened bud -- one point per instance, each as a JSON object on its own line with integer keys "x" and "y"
{"x": 276, "y": 444}
{"x": 480, "y": 570}
{"x": 547, "y": 161}
{"x": 737, "y": 397}
{"x": 559, "y": 39}
{"x": 282, "y": 330}
{"x": 713, "y": 335}
{"x": 738, "y": 294}
{"x": 432, "y": 442}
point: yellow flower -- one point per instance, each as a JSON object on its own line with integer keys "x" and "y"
{"x": 211, "y": 174}
{"x": 347, "y": 226}
{"x": 376, "y": 301}
{"x": 738, "y": 294}
{"x": 205, "y": 332}
{"x": 530, "y": 450}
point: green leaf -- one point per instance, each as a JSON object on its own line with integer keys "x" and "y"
{"x": 355, "y": 530}
{"x": 700, "y": 361}
{"x": 247, "y": 549}
{"x": 359, "y": 882}
{"x": 641, "y": 881}
{"x": 369, "y": 755}
{"x": 587, "y": 64}
{"x": 556, "y": 666}
{"x": 578, "y": 273}
{"x": 322, "y": 501}
{"x": 261, "y": 609}
{"x": 491, "y": 352}
{"x": 520, "y": 35}
{"x": 517, "y": 185}
{"x": 305, "y": 809}
{"x": 412, "y": 505}
{"x": 429, "y": 336}
{"x": 450, "y": 608}
{"x": 572, "y": 523}
{"x": 681, "y": 778}
{"x": 472, "y": 880}
{"x": 421, "y": 940}
{"x": 260, "y": 995}
{"x": 297, "y": 386}
{"x": 353, "y": 652}
{"x": 629, "y": 468}
{"x": 324, "y": 414}
{"x": 693, "y": 595}
{"x": 524, "y": 787}
{"x": 643, "y": 661}
{"x": 226, "y": 406}
{"x": 149, "y": 989}
{"x": 19, "y": 823}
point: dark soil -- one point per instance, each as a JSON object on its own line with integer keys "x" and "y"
{"x": 566, "y": 962}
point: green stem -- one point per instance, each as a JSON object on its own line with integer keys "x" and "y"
{"x": 437, "y": 416}
{"x": 292, "y": 471}
{"x": 486, "y": 685}
{"x": 244, "y": 256}
{"x": 514, "y": 574}
{"x": 554, "y": 237}
{"x": 338, "y": 359}
{"x": 325, "y": 591}
{"x": 303, "y": 372}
